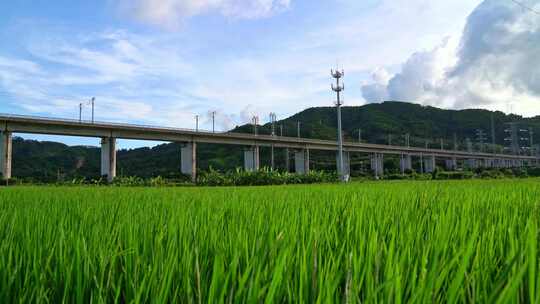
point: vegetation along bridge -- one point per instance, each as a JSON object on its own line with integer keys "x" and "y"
{"x": 109, "y": 132}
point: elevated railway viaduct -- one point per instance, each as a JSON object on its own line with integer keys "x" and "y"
{"x": 110, "y": 132}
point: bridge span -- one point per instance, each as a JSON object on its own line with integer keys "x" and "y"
{"x": 110, "y": 132}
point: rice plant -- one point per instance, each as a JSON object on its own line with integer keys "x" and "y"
{"x": 394, "y": 242}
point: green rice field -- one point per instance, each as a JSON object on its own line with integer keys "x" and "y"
{"x": 380, "y": 242}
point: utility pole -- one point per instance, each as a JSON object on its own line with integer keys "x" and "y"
{"x": 493, "y": 134}
{"x": 469, "y": 145}
{"x": 82, "y": 104}
{"x": 455, "y": 142}
{"x": 92, "y": 101}
{"x": 389, "y": 139}
{"x": 408, "y": 140}
{"x": 197, "y": 123}
{"x": 338, "y": 88}
{"x": 359, "y": 135}
{"x": 287, "y": 164}
{"x": 80, "y": 111}
{"x": 273, "y": 122}
{"x": 213, "y": 121}
{"x": 298, "y": 129}
{"x": 421, "y": 163}
{"x": 255, "y": 121}
{"x": 442, "y": 144}
{"x": 531, "y": 133}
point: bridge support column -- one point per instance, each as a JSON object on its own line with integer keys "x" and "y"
{"x": 251, "y": 159}
{"x": 429, "y": 164}
{"x": 287, "y": 160}
{"x": 108, "y": 158}
{"x": 346, "y": 165}
{"x": 451, "y": 164}
{"x": 405, "y": 163}
{"x": 301, "y": 161}
{"x": 6, "y": 150}
{"x": 188, "y": 155}
{"x": 377, "y": 165}
{"x": 471, "y": 163}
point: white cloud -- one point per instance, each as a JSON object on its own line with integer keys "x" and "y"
{"x": 490, "y": 68}
{"x": 171, "y": 13}
{"x": 136, "y": 79}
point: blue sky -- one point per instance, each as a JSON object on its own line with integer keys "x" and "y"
{"x": 161, "y": 62}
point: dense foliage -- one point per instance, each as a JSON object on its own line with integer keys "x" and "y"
{"x": 442, "y": 242}
{"x": 264, "y": 177}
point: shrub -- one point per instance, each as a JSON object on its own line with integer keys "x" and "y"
{"x": 455, "y": 175}
{"x": 261, "y": 177}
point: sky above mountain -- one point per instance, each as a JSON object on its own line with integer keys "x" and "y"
{"x": 162, "y": 62}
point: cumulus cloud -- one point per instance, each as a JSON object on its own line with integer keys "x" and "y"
{"x": 419, "y": 78}
{"x": 171, "y": 13}
{"x": 489, "y": 67}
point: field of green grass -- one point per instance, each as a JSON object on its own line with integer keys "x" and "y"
{"x": 387, "y": 242}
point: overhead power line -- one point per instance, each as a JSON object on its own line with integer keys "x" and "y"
{"x": 523, "y": 5}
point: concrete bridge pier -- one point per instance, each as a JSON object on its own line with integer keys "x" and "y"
{"x": 108, "y": 158}
{"x": 429, "y": 164}
{"x": 346, "y": 165}
{"x": 251, "y": 159}
{"x": 471, "y": 163}
{"x": 188, "y": 155}
{"x": 301, "y": 161}
{"x": 451, "y": 164}
{"x": 405, "y": 163}
{"x": 6, "y": 150}
{"x": 377, "y": 164}
{"x": 287, "y": 160}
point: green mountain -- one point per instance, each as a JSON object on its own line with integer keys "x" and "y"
{"x": 379, "y": 123}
